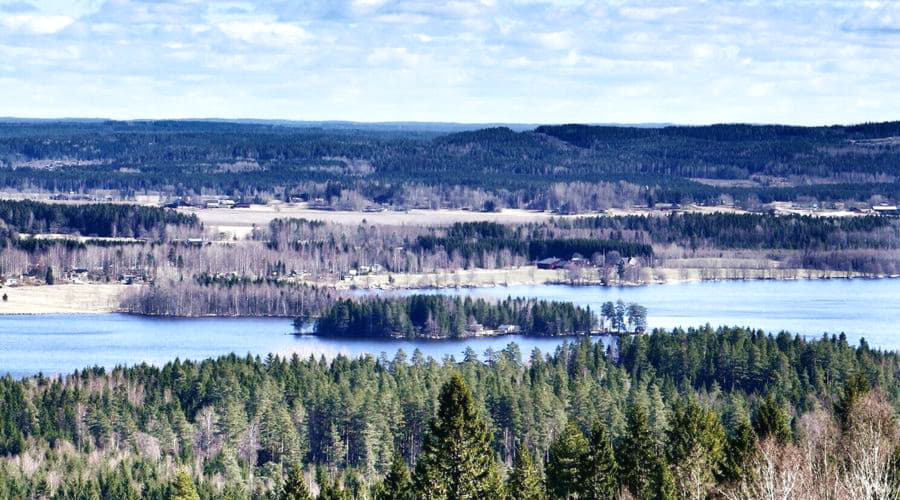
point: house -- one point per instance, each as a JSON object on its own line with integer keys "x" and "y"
{"x": 886, "y": 210}
{"x": 507, "y": 329}
{"x": 549, "y": 263}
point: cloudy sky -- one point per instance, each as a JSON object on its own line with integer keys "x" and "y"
{"x": 526, "y": 61}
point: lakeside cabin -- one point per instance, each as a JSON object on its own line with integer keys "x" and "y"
{"x": 549, "y": 263}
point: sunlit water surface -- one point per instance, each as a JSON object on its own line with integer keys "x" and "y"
{"x": 57, "y": 344}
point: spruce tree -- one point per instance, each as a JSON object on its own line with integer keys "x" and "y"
{"x": 457, "y": 461}
{"x": 740, "y": 451}
{"x": 565, "y": 462}
{"x": 663, "y": 483}
{"x": 295, "y": 486}
{"x": 599, "y": 470}
{"x": 637, "y": 456}
{"x": 183, "y": 487}
{"x": 695, "y": 448}
{"x": 770, "y": 420}
{"x": 397, "y": 484}
{"x": 854, "y": 389}
{"x": 524, "y": 481}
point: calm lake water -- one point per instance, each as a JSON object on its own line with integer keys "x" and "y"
{"x": 64, "y": 343}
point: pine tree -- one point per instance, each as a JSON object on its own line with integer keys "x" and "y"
{"x": 295, "y": 486}
{"x": 565, "y": 462}
{"x": 664, "y": 483}
{"x": 184, "y": 487}
{"x": 456, "y": 461}
{"x": 740, "y": 450}
{"x": 397, "y": 484}
{"x": 695, "y": 448}
{"x": 637, "y": 456}
{"x": 855, "y": 388}
{"x": 599, "y": 471}
{"x": 524, "y": 481}
{"x": 770, "y": 420}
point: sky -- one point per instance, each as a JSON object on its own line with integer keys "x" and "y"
{"x": 802, "y": 62}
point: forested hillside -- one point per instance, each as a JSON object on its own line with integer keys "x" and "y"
{"x": 682, "y": 414}
{"x": 506, "y": 168}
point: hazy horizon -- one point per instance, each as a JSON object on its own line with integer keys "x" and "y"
{"x": 465, "y": 61}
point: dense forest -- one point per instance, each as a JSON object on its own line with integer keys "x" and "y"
{"x": 724, "y": 412}
{"x": 93, "y": 219}
{"x": 444, "y": 317}
{"x": 572, "y": 167}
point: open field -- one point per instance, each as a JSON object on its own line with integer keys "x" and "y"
{"x": 61, "y": 299}
{"x": 240, "y": 221}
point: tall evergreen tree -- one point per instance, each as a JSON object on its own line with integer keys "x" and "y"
{"x": 855, "y": 388}
{"x": 637, "y": 456}
{"x": 599, "y": 470}
{"x": 564, "y": 462}
{"x": 457, "y": 461}
{"x": 183, "y": 487}
{"x": 664, "y": 487}
{"x": 524, "y": 481}
{"x": 740, "y": 450}
{"x": 696, "y": 447}
{"x": 770, "y": 420}
{"x": 397, "y": 484}
{"x": 295, "y": 486}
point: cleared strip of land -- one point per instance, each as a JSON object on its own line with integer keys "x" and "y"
{"x": 61, "y": 299}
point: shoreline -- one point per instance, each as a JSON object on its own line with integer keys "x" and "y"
{"x": 103, "y": 298}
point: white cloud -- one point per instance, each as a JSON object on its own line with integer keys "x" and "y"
{"x": 35, "y": 23}
{"x": 559, "y": 40}
{"x": 258, "y": 32}
{"x": 486, "y": 60}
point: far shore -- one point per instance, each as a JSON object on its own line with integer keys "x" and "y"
{"x": 103, "y": 298}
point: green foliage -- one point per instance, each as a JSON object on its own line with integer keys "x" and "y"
{"x": 444, "y": 317}
{"x": 397, "y": 484}
{"x": 695, "y": 448}
{"x": 183, "y": 487}
{"x": 637, "y": 455}
{"x": 565, "y": 462}
{"x": 244, "y": 423}
{"x": 771, "y": 420}
{"x": 295, "y": 486}
{"x": 95, "y": 219}
{"x": 190, "y": 155}
{"x": 457, "y": 461}
{"x": 856, "y": 387}
{"x": 599, "y": 471}
{"x": 524, "y": 481}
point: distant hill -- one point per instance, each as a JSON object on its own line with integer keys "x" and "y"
{"x": 676, "y": 163}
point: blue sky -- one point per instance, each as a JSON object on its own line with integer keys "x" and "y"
{"x": 526, "y": 61}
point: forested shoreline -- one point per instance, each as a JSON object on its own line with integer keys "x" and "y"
{"x": 184, "y": 269}
{"x": 434, "y": 317}
{"x": 673, "y": 414}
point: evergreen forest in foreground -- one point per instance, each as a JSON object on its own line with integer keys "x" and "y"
{"x": 698, "y": 413}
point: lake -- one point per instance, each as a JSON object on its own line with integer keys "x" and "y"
{"x": 55, "y": 344}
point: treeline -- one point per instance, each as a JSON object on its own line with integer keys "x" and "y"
{"x": 186, "y": 298}
{"x": 93, "y": 219}
{"x": 480, "y": 169}
{"x": 675, "y": 415}
{"x": 432, "y": 316}
{"x": 754, "y": 231}
{"x": 299, "y": 251}
{"x": 534, "y": 249}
